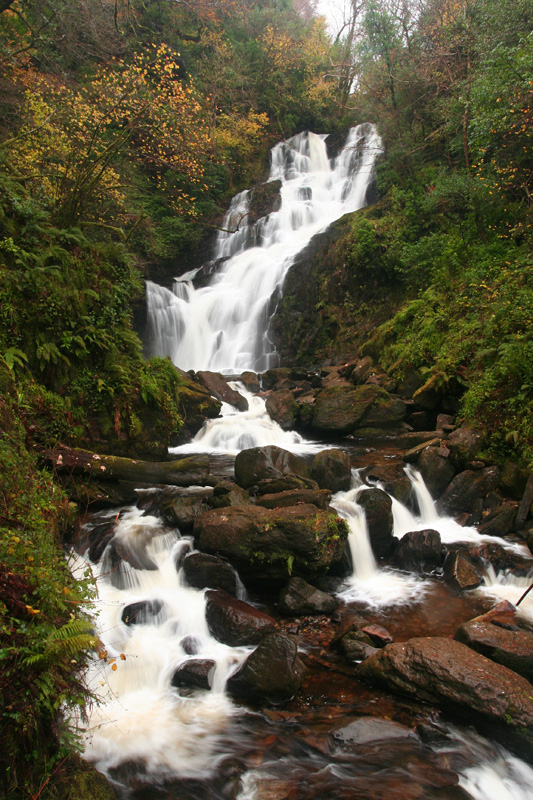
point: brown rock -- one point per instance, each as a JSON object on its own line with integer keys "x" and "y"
{"x": 259, "y": 463}
{"x": 283, "y": 409}
{"x": 217, "y": 385}
{"x": 332, "y": 469}
{"x": 292, "y": 497}
{"x": 460, "y": 573}
{"x": 272, "y": 673}
{"x": 235, "y": 622}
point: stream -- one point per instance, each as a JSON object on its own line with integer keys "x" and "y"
{"x": 337, "y": 738}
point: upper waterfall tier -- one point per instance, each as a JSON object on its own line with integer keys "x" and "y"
{"x": 224, "y": 326}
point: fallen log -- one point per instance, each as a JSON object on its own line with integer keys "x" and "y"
{"x": 189, "y": 471}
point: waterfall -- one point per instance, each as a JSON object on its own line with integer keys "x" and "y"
{"x": 224, "y": 326}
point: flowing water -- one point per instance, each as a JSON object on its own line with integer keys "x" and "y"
{"x": 336, "y": 738}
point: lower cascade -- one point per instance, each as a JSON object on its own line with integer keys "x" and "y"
{"x": 254, "y": 631}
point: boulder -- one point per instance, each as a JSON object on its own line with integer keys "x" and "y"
{"x": 360, "y": 371}
{"x": 464, "y": 444}
{"x": 227, "y": 493}
{"x": 264, "y": 199}
{"x": 513, "y": 480}
{"x": 428, "y": 396}
{"x": 196, "y": 673}
{"x": 373, "y": 729}
{"x": 377, "y": 506}
{"x": 436, "y": 470}
{"x": 285, "y": 483}
{"x": 269, "y": 544}
{"x": 235, "y": 622}
{"x": 292, "y": 497}
{"x": 392, "y": 478}
{"x": 283, "y": 409}
{"x": 217, "y": 385}
{"x": 259, "y": 463}
{"x": 385, "y": 411}
{"x": 142, "y": 612}
{"x": 196, "y": 405}
{"x": 357, "y": 646}
{"x": 273, "y": 377}
{"x": 273, "y": 673}
{"x": 524, "y": 509}
{"x": 419, "y": 551}
{"x": 183, "y": 510}
{"x": 460, "y": 572}
{"x": 332, "y": 470}
{"x": 251, "y": 381}
{"x": 339, "y": 409}
{"x": 378, "y": 635}
{"x": 500, "y": 640}
{"x": 467, "y": 487}
{"x": 500, "y": 521}
{"x": 300, "y": 598}
{"x": 448, "y": 673}
{"x": 204, "y": 571}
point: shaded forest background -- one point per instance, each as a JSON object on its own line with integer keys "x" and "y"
{"x": 125, "y": 127}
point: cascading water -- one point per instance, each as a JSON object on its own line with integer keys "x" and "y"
{"x": 223, "y": 327}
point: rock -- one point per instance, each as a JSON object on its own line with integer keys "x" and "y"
{"x": 191, "y": 645}
{"x": 466, "y": 488}
{"x": 196, "y": 405}
{"x": 422, "y": 420}
{"x": 332, "y": 469}
{"x": 464, "y": 445}
{"x": 183, "y": 510}
{"x": 460, "y": 573}
{"x": 524, "y": 510}
{"x": 265, "y": 199}
{"x": 378, "y": 635}
{"x": 204, "y": 571}
{"x": 513, "y": 480}
{"x": 499, "y": 522}
{"x": 361, "y": 371}
{"x": 392, "y": 477}
{"x": 142, "y": 612}
{"x": 373, "y": 729}
{"x": 227, "y": 493}
{"x": 299, "y": 598}
{"x": 377, "y": 506}
{"x": 436, "y": 470}
{"x": 411, "y": 381}
{"x": 272, "y": 377}
{"x": 273, "y": 673}
{"x": 292, "y": 497}
{"x": 235, "y": 622}
{"x": 428, "y": 396}
{"x": 412, "y": 455}
{"x": 446, "y": 672}
{"x": 285, "y": 483}
{"x": 357, "y": 646}
{"x": 267, "y": 544}
{"x": 338, "y": 409}
{"x": 196, "y": 673}
{"x": 217, "y": 385}
{"x": 384, "y": 412}
{"x": 251, "y": 381}
{"x": 419, "y": 551}
{"x": 283, "y": 409}
{"x": 445, "y": 422}
{"x": 259, "y": 463}
{"x": 512, "y": 648}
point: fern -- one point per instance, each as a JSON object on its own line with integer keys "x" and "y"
{"x": 66, "y": 642}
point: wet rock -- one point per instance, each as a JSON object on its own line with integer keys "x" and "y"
{"x": 145, "y": 611}
{"x": 357, "y": 646}
{"x": 500, "y": 640}
{"x": 251, "y": 381}
{"x": 196, "y": 405}
{"x": 499, "y": 522}
{"x": 331, "y": 469}
{"x": 436, "y": 470}
{"x": 378, "y": 635}
{"x": 373, "y": 729}
{"x": 267, "y": 544}
{"x": 283, "y": 409}
{"x": 446, "y": 672}
{"x": 191, "y": 645}
{"x": 384, "y": 412}
{"x": 393, "y": 479}
{"x": 120, "y": 550}
{"x": 196, "y": 673}
{"x": 338, "y": 409}
{"x": 513, "y": 480}
{"x": 292, "y": 497}
{"x": 265, "y": 198}
{"x": 299, "y": 598}
{"x": 412, "y": 455}
{"x": 182, "y": 511}
{"x": 204, "y": 571}
{"x": 227, "y": 493}
{"x": 466, "y": 488}
{"x": 524, "y": 510}
{"x": 217, "y": 385}
{"x": 273, "y": 673}
{"x": 273, "y": 377}
{"x": 361, "y": 370}
{"x": 464, "y": 444}
{"x": 285, "y": 483}
{"x": 260, "y": 463}
{"x": 419, "y": 551}
{"x": 235, "y": 622}
{"x": 460, "y": 573}
{"x": 377, "y": 506}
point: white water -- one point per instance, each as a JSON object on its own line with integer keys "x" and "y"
{"x": 139, "y": 716}
{"x": 387, "y": 587}
{"x": 236, "y": 430}
{"x": 223, "y": 327}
